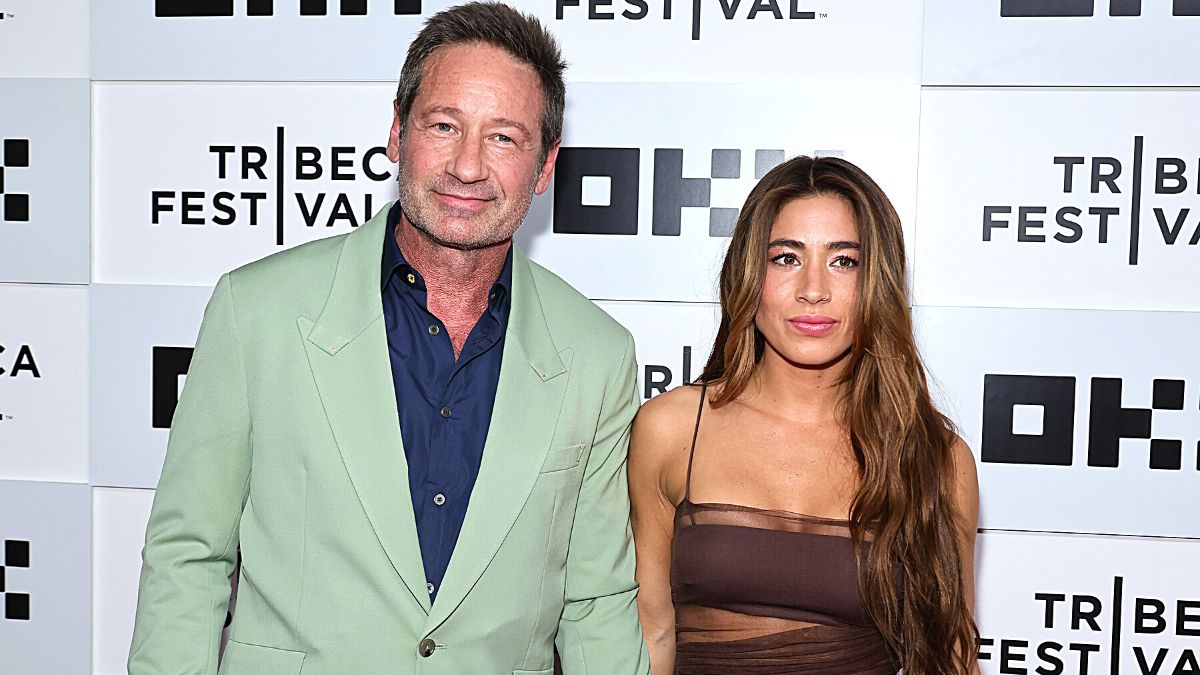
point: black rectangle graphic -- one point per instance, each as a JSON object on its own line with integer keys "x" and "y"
{"x": 185, "y": 8}
{"x": 1047, "y": 8}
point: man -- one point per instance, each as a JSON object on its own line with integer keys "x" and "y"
{"x": 415, "y": 436}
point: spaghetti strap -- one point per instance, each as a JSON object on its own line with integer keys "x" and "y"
{"x": 687, "y": 490}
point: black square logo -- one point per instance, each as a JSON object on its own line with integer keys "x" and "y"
{"x": 16, "y": 554}
{"x": 15, "y": 155}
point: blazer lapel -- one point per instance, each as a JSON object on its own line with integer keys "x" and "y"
{"x": 348, "y": 354}
{"x": 528, "y": 397}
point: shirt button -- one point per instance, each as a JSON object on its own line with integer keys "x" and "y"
{"x": 434, "y": 330}
{"x": 412, "y": 278}
{"x": 430, "y": 587}
{"x": 439, "y": 499}
{"x": 426, "y": 647}
{"x": 446, "y": 411}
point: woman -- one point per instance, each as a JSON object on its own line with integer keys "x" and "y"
{"x": 806, "y": 508}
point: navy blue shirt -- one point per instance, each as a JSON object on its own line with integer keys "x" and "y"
{"x": 445, "y": 405}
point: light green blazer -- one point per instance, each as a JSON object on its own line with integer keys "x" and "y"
{"x": 286, "y": 443}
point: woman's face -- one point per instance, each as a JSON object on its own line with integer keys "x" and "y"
{"x": 806, "y": 314}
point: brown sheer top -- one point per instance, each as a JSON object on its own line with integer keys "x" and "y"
{"x": 767, "y": 592}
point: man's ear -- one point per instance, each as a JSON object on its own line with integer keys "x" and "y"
{"x": 547, "y": 170}
{"x": 393, "y": 144}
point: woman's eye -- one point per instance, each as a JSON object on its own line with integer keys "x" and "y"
{"x": 844, "y": 261}
{"x": 786, "y": 259}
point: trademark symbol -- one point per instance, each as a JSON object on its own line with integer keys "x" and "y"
{"x": 822, "y": 15}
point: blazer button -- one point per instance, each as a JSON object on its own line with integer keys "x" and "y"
{"x": 426, "y": 647}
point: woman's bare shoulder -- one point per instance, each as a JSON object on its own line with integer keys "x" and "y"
{"x": 662, "y": 430}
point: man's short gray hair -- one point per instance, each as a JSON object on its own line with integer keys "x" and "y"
{"x": 497, "y": 24}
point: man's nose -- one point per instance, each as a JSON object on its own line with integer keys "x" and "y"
{"x": 467, "y": 164}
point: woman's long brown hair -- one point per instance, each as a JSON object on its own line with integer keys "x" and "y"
{"x": 910, "y": 576}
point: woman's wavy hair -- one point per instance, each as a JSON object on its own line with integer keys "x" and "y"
{"x": 903, "y": 519}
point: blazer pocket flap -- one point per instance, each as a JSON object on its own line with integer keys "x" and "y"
{"x": 560, "y": 459}
{"x": 241, "y": 657}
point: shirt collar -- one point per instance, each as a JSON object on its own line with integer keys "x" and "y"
{"x": 395, "y": 264}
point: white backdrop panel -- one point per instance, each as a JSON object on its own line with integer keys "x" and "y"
{"x": 118, "y": 531}
{"x": 45, "y": 129}
{"x": 673, "y": 340}
{"x": 43, "y": 383}
{"x": 142, "y": 337}
{"x": 602, "y": 40}
{"x": 45, "y": 549}
{"x": 636, "y": 211}
{"x": 1084, "y": 421}
{"x": 1053, "y": 605}
{"x": 1059, "y": 198}
{"x": 44, "y": 39}
{"x": 1062, "y": 42}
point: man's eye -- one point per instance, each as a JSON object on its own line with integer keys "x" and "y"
{"x": 504, "y": 139}
{"x": 443, "y": 126}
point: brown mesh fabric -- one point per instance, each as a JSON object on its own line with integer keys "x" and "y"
{"x": 768, "y": 592}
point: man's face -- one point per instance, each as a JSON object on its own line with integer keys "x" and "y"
{"x": 470, "y": 152}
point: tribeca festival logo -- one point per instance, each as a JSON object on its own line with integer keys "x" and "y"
{"x": 1030, "y": 419}
{"x": 596, "y": 189}
{"x": 658, "y": 378}
{"x": 215, "y": 8}
{"x": 16, "y": 556}
{"x": 18, "y": 362}
{"x": 257, "y": 175}
{"x": 1084, "y": 179}
{"x": 15, "y": 156}
{"x": 731, "y": 10}
{"x": 1098, "y": 638}
{"x": 1076, "y": 8}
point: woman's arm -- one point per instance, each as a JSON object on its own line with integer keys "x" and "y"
{"x": 657, "y": 464}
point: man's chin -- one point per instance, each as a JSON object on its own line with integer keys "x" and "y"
{"x": 461, "y": 241}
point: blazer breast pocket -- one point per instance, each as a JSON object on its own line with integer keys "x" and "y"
{"x": 242, "y": 657}
{"x": 562, "y": 459}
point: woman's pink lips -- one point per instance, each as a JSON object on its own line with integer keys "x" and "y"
{"x": 813, "y": 325}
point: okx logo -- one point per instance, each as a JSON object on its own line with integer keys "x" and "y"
{"x": 1030, "y": 419}
{"x": 15, "y": 156}
{"x": 196, "y": 8}
{"x": 731, "y": 10}
{"x": 168, "y": 372}
{"x": 596, "y": 189}
{"x": 1121, "y": 199}
{"x": 16, "y": 555}
{"x": 254, "y": 180}
{"x": 1069, "y": 8}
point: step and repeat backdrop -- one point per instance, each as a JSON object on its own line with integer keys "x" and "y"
{"x": 1043, "y": 154}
